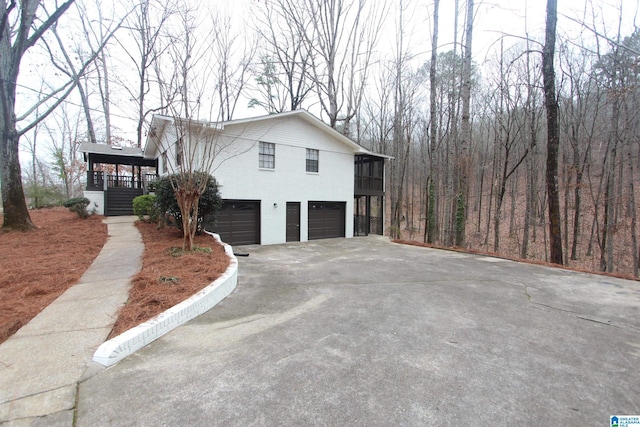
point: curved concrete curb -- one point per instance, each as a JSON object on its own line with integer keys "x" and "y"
{"x": 129, "y": 342}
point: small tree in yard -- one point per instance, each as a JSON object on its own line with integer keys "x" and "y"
{"x": 188, "y": 73}
{"x": 210, "y": 201}
{"x": 190, "y": 159}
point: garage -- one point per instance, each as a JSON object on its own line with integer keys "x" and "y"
{"x": 238, "y": 222}
{"x": 326, "y": 220}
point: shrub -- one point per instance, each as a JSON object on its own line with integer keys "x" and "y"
{"x": 210, "y": 201}
{"x": 44, "y": 196}
{"x": 78, "y": 205}
{"x": 146, "y": 206}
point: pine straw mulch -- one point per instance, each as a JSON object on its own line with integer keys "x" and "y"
{"x": 38, "y": 266}
{"x": 168, "y": 278}
{"x": 513, "y": 258}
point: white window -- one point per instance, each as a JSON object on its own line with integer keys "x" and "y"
{"x": 313, "y": 159}
{"x": 267, "y": 155}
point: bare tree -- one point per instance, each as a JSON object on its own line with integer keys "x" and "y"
{"x": 230, "y": 71}
{"x": 143, "y": 46}
{"x": 19, "y": 31}
{"x": 69, "y": 68}
{"x": 465, "y": 126}
{"x": 431, "y": 225}
{"x": 284, "y": 82}
{"x": 553, "y": 132}
{"x": 201, "y": 82}
{"x": 190, "y": 164}
{"x": 65, "y": 132}
{"x": 340, "y": 37}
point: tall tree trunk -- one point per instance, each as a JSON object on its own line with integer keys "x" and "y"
{"x": 465, "y": 127}
{"x": 491, "y": 194}
{"x": 553, "y": 132}
{"x": 606, "y": 259}
{"x": 497, "y": 218}
{"x": 479, "y": 196}
{"x": 577, "y": 200}
{"x": 567, "y": 179}
{"x": 91, "y": 133}
{"x": 82, "y": 90}
{"x": 106, "y": 98}
{"x": 34, "y": 169}
{"x": 634, "y": 219}
{"x": 513, "y": 190}
{"x": 433, "y": 129}
{"x": 16, "y": 214}
{"x": 606, "y": 229}
{"x": 524, "y": 251}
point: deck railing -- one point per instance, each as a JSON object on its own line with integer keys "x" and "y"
{"x": 95, "y": 180}
{"x": 122, "y": 181}
{"x": 100, "y": 181}
{"x": 369, "y": 183}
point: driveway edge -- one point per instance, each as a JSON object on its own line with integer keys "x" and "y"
{"x": 129, "y": 342}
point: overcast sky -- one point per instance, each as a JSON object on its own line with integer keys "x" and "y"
{"x": 513, "y": 19}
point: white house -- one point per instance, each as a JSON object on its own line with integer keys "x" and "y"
{"x": 283, "y": 177}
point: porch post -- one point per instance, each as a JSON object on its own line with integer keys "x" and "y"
{"x": 368, "y": 209}
{"x": 104, "y": 180}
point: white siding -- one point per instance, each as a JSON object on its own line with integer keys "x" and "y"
{"x": 241, "y": 178}
{"x": 236, "y": 169}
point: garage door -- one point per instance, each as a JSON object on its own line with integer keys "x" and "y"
{"x": 326, "y": 219}
{"x": 238, "y": 222}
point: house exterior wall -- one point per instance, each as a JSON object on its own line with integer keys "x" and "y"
{"x": 236, "y": 168}
{"x": 240, "y": 177}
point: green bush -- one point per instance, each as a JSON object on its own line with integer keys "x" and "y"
{"x": 146, "y": 206}
{"x": 44, "y": 197}
{"x": 210, "y": 201}
{"x": 78, "y": 205}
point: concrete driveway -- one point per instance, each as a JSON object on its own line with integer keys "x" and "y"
{"x": 370, "y": 333}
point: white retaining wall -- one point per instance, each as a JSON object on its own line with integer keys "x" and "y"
{"x": 128, "y": 342}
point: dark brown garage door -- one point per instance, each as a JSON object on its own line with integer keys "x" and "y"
{"x": 238, "y": 222}
{"x": 326, "y": 219}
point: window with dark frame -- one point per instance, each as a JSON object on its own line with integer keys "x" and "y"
{"x": 313, "y": 159}
{"x": 165, "y": 162}
{"x": 179, "y": 153}
{"x": 267, "y": 155}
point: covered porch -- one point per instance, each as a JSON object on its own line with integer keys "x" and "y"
{"x": 369, "y": 195}
{"x": 115, "y": 176}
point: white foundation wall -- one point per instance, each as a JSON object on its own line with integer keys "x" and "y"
{"x": 97, "y": 201}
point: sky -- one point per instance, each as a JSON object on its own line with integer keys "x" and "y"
{"x": 511, "y": 19}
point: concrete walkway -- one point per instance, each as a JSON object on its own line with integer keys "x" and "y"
{"x": 41, "y": 365}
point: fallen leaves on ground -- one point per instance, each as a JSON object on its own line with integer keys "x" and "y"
{"x": 39, "y": 265}
{"x": 168, "y": 276}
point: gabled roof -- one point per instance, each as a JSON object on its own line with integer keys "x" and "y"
{"x": 159, "y": 123}
{"x": 310, "y": 119}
